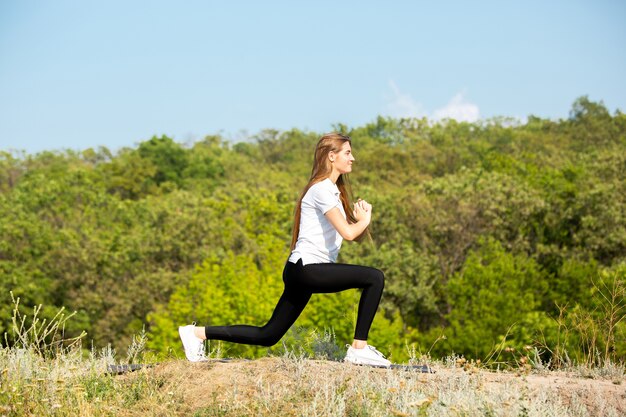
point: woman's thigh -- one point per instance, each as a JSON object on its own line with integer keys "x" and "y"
{"x": 334, "y": 277}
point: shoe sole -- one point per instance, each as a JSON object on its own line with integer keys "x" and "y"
{"x": 359, "y": 363}
{"x": 180, "y": 334}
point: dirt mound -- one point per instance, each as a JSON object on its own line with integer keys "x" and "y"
{"x": 287, "y": 386}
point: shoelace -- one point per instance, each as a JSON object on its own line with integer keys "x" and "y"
{"x": 376, "y": 351}
{"x": 200, "y": 352}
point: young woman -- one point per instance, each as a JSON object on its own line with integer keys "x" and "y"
{"x": 323, "y": 219}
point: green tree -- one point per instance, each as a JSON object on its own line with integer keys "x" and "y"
{"x": 169, "y": 158}
{"x": 494, "y": 296}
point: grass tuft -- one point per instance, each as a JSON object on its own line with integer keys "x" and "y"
{"x": 44, "y": 374}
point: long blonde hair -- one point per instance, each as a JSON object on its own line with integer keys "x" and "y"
{"x": 322, "y": 169}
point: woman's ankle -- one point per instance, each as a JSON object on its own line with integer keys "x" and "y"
{"x": 199, "y": 332}
{"x": 359, "y": 344}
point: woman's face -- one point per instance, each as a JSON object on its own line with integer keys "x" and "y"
{"x": 342, "y": 160}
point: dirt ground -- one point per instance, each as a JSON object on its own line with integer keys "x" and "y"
{"x": 291, "y": 387}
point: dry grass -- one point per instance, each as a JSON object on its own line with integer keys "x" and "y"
{"x": 300, "y": 387}
{"x": 42, "y": 375}
{"x": 293, "y": 386}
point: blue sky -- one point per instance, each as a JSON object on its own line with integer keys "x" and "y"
{"x": 80, "y": 74}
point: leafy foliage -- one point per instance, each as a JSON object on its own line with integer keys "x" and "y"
{"x": 495, "y": 233}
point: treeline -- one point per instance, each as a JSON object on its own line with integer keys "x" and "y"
{"x": 494, "y": 236}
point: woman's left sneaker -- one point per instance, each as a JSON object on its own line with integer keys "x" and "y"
{"x": 369, "y": 355}
{"x": 194, "y": 346}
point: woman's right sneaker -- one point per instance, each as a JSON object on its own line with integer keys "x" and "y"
{"x": 369, "y": 355}
{"x": 194, "y": 346}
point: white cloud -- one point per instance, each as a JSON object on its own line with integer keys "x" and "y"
{"x": 458, "y": 109}
{"x": 403, "y": 105}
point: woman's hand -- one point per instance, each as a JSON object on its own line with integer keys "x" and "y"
{"x": 362, "y": 211}
{"x": 365, "y": 205}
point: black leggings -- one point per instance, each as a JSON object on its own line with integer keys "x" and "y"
{"x": 300, "y": 283}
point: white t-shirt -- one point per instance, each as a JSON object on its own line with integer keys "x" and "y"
{"x": 318, "y": 241}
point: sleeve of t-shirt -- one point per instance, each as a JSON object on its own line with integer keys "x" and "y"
{"x": 323, "y": 198}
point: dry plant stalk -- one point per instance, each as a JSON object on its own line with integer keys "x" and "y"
{"x": 42, "y": 336}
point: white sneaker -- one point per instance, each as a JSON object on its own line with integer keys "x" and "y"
{"x": 369, "y": 355}
{"x": 194, "y": 346}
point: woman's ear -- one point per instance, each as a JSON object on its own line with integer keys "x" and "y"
{"x": 331, "y": 156}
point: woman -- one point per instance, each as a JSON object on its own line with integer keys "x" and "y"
{"x": 323, "y": 219}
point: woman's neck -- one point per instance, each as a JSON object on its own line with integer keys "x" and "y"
{"x": 334, "y": 176}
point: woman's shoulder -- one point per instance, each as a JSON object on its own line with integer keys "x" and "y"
{"x": 320, "y": 184}
{"x": 323, "y": 187}
{"x": 325, "y": 184}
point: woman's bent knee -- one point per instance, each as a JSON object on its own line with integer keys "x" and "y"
{"x": 269, "y": 335}
{"x": 381, "y": 277}
{"x": 377, "y": 278}
{"x": 268, "y": 341}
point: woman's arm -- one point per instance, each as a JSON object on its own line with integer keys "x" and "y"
{"x": 362, "y": 213}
